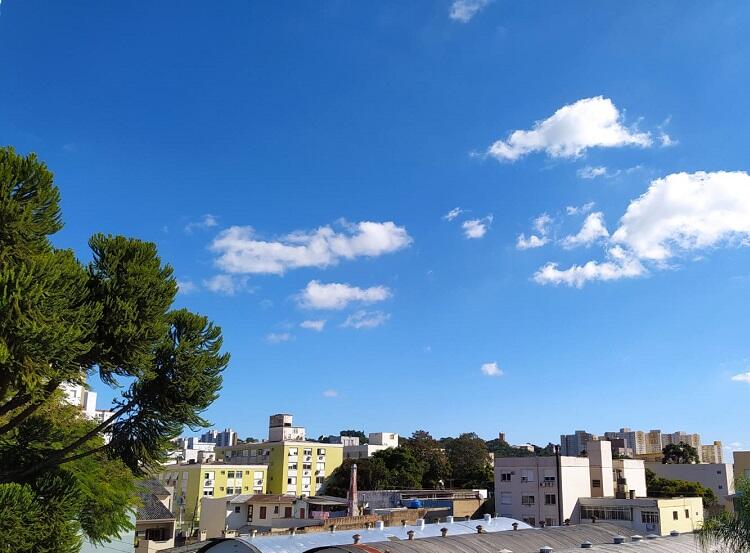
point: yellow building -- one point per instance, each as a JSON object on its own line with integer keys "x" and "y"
{"x": 294, "y": 467}
{"x": 193, "y": 481}
{"x": 645, "y": 515}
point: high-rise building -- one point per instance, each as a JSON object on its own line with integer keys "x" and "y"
{"x": 713, "y": 453}
{"x": 573, "y": 445}
{"x": 634, "y": 439}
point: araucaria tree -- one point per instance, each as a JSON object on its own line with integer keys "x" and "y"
{"x": 729, "y": 531}
{"x": 62, "y": 321}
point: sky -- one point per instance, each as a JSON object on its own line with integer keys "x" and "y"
{"x": 471, "y": 215}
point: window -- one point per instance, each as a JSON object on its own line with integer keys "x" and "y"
{"x": 263, "y": 512}
{"x": 550, "y": 499}
{"x": 208, "y": 493}
{"x": 287, "y": 512}
{"x": 222, "y": 488}
{"x": 276, "y": 509}
{"x": 292, "y": 480}
{"x": 606, "y": 513}
{"x": 527, "y": 499}
{"x": 292, "y": 466}
{"x": 504, "y": 477}
{"x": 320, "y": 479}
{"x": 237, "y": 509}
{"x": 292, "y": 451}
{"x": 675, "y": 515}
{"x": 650, "y": 517}
{"x": 206, "y": 476}
{"x": 527, "y": 475}
{"x": 531, "y": 521}
{"x": 596, "y": 483}
{"x": 306, "y": 466}
{"x": 687, "y": 513}
{"x": 721, "y": 487}
{"x": 230, "y": 474}
{"x": 308, "y": 452}
{"x": 506, "y": 498}
{"x": 321, "y": 451}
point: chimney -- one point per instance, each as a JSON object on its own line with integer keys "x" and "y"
{"x": 410, "y": 534}
{"x": 443, "y": 532}
{"x": 353, "y": 492}
{"x": 480, "y": 530}
{"x": 356, "y": 538}
{"x": 515, "y": 526}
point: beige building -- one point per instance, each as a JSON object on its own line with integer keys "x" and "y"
{"x": 645, "y": 515}
{"x": 742, "y": 464}
{"x": 713, "y": 453}
{"x": 155, "y": 523}
{"x": 537, "y": 489}
{"x": 717, "y": 477}
{"x": 377, "y": 441}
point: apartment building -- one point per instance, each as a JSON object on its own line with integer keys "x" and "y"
{"x": 713, "y": 453}
{"x": 572, "y": 445}
{"x": 645, "y": 515}
{"x": 193, "y": 481}
{"x": 717, "y": 477}
{"x": 548, "y": 489}
{"x": 635, "y": 440}
{"x": 295, "y": 466}
{"x": 742, "y": 463}
{"x": 377, "y": 441}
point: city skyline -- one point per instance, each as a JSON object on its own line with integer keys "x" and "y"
{"x": 392, "y": 209}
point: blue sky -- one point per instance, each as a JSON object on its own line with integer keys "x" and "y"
{"x": 304, "y": 162}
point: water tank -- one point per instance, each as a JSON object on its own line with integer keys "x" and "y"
{"x": 414, "y": 504}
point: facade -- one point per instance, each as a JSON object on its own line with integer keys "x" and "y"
{"x": 548, "y": 489}
{"x": 742, "y": 463}
{"x": 635, "y": 440}
{"x": 295, "y": 467}
{"x": 344, "y": 440}
{"x": 155, "y": 523}
{"x": 378, "y": 441}
{"x": 78, "y": 395}
{"x": 572, "y": 445}
{"x": 713, "y": 453}
{"x": 193, "y": 481}
{"x": 718, "y": 477}
{"x": 645, "y": 515}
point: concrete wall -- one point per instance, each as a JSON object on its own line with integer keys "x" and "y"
{"x": 718, "y": 477}
{"x": 634, "y": 472}
{"x": 742, "y": 463}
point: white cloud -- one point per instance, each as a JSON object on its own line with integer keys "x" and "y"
{"x": 334, "y": 295}
{"x": 589, "y": 172}
{"x": 227, "y": 285}
{"x": 491, "y": 369}
{"x": 366, "y": 319}
{"x": 330, "y": 393}
{"x": 587, "y": 123}
{"x": 274, "y": 338}
{"x": 742, "y": 377}
{"x": 533, "y": 241}
{"x": 186, "y": 286}
{"x": 240, "y": 252}
{"x": 666, "y": 140}
{"x": 205, "y": 222}
{"x": 453, "y": 213}
{"x": 582, "y": 210}
{"x": 476, "y": 228}
{"x": 316, "y": 325}
{"x": 619, "y": 266}
{"x": 541, "y": 225}
{"x": 678, "y": 215}
{"x": 465, "y": 10}
{"x": 593, "y": 229}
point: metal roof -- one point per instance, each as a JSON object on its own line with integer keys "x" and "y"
{"x": 301, "y": 543}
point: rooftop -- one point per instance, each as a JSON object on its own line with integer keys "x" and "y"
{"x": 150, "y": 506}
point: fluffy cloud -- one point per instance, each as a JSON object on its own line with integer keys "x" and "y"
{"x": 316, "y": 325}
{"x": 589, "y": 172}
{"x": 541, "y": 226}
{"x": 491, "y": 369}
{"x": 593, "y": 229}
{"x": 279, "y": 338}
{"x": 742, "y": 377}
{"x": 476, "y": 228}
{"x": 453, "y": 213}
{"x": 240, "y": 252}
{"x": 334, "y": 295}
{"x": 465, "y": 10}
{"x": 587, "y": 123}
{"x": 678, "y": 214}
{"x": 227, "y": 285}
{"x": 366, "y": 319}
{"x": 205, "y": 222}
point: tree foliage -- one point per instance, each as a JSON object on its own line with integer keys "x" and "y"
{"x": 427, "y": 451}
{"x": 663, "y": 487}
{"x": 729, "y": 531}
{"x": 469, "y": 461}
{"x": 63, "y": 321}
{"x": 682, "y": 453}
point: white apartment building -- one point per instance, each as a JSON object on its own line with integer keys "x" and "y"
{"x": 572, "y": 445}
{"x": 281, "y": 429}
{"x": 378, "y": 441}
{"x": 548, "y": 489}
{"x": 718, "y": 477}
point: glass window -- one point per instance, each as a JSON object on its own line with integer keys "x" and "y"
{"x": 527, "y": 500}
{"x": 276, "y": 509}
{"x": 527, "y": 475}
{"x": 321, "y": 451}
{"x": 650, "y": 517}
{"x": 687, "y": 513}
{"x": 550, "y": 499}
{"x": 504, "y": 477}
{"x": 506, "y": 498}
{"x": 675, "y": 515}
{"x": 237, "y": 509}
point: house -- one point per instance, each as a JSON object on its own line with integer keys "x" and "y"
{"x": 155, "y": 523}
{"x": 645, "y": 515}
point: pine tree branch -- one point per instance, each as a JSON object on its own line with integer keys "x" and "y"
{"x": 30, "y": 409}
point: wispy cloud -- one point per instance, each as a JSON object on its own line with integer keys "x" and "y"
{"x": 491, "y": 369}
{"x": 570, "y": 131}
{"x": 318, "y": 324}
{"x": 465, "y": 10}
{"x": 742, "y": 377}
{"x": 330, "y": 393}
{"x": 206, "y": 222}
{"x": 240, "y": 251}
{"x": 366, "y": 319}
{"x": 589, "y": 172}
{"x": 227, "y": 285}
{"x": 279, "y": 338}
{"x": 453, "y": 213}
{"x": 336, "y": 295}
{"x": 593, "y": 229}
{"x": 186, "y": 286}
{"x": 578, "y": 210}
